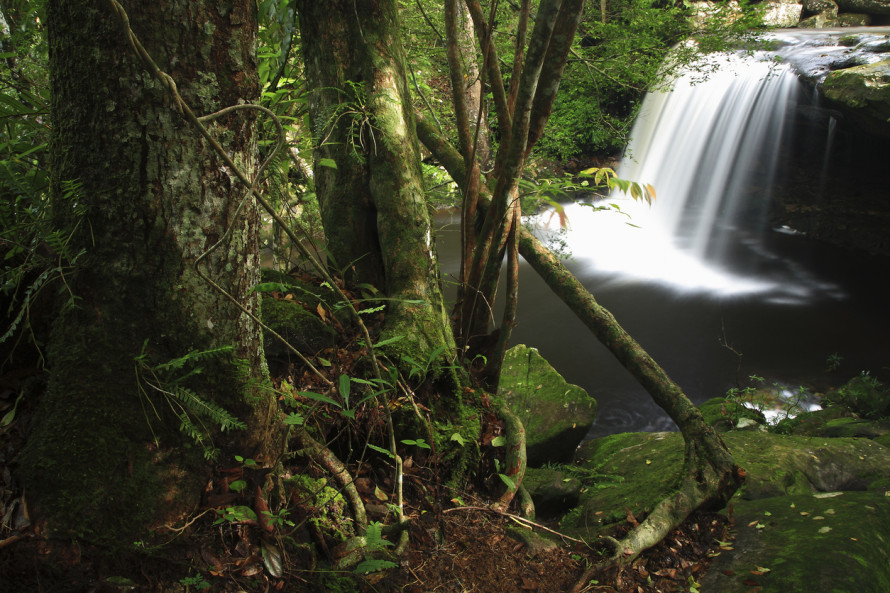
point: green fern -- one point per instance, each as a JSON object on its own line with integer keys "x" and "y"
{"x": 193, "y": 411}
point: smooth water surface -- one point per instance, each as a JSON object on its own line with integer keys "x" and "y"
{"x": 700, "y": 279}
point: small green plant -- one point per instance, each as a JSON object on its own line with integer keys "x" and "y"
{"x": 278, "y": 518}
{"x": 374, "y": 544}
{"x": 196, "y": 581}
{"x": 747, "y": 397}
{"x": 416, "y": 443}
{"x": 834, "y": 361}
{"x": 235, "y": 514}
{"x": 240, "y": 485}
{"x": 170, "y": 380}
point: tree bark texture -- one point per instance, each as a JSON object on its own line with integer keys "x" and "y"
{"x": 105, "y": 456}
{"x": 372, "y": 202}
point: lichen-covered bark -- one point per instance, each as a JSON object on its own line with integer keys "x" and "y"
{"x": 155, "y": 199}
{"x": 372, "y": 203}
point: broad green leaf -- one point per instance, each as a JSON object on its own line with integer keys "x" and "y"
{"x": 506, "y": 480}
{"x": 499, "y": 441}
{"x": 319, "y": 398}
{"x": 388, "y": 341}
{"x": 294, "y": 419}
{"x": 327, "y": 163}
{"x": 381, "y": 450}
{"x": 373, "y": 565}
{"x": 345, "y": 385}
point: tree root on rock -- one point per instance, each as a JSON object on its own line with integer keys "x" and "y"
{"x": 326, "y": 458}
{"x": 515, "y": 457}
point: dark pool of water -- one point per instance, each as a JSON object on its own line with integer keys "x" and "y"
{"x": 709, "y": 344}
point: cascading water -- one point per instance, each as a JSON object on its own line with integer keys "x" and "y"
{"x": 709, "y": 148}
{"x": 707, "y": 288}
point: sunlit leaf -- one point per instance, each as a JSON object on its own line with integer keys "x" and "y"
{"x": 294, "y": 419}
{"x": 506, "y": 480}
{"x": 381, "y": 450}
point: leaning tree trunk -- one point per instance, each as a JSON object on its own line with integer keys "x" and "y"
{"x": 367, "y": 164}
{"x": 710, "y": 474}
{"x": 105, "y": 457}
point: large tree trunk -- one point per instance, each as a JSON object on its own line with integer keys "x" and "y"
{"x": 367, "y": 164}
{"x": 105, "y": 456}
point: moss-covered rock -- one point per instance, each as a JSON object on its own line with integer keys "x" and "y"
{"x": 864, "y": 91}
{"x": 724, "y": 414}
{"x": 302, "y": 328}
{"x": 556, "y": 414}
{"x": 634, "y": 471}
{"x": 553, "y": 491}
{"x": 863, "y": 395}
{"x": 291, "y": 310}
{"x": 830, "y": 542}
{"x": 812, "y": 423}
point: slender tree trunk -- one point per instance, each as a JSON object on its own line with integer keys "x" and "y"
{"x": 469, "y": 53}
{"x": 710, "y": 475}
{"x": 367, "y": 164}
{"x": 105, "y": 457}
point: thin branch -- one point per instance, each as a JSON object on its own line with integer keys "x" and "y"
{"x": 518, "y": 519}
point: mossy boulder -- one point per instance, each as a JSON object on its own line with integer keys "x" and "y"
{"x": 724, "y": 414}
{"x": 302, "y": 328}
{"x": 554, "y": 491}
{"x": 556, "y": 414}
{"x": 864, "y": 92}
{"x": 634, "y": 471}
{"x": 863, "y": 395}
{"x": 834, "y": 542}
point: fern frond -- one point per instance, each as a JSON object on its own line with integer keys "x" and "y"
{"x": 193, "y": 356}
{"x": 207, "y": 409}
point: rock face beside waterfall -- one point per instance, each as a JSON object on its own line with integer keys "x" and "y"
{"x": 863, "y": 92}
{"x": 852, "y": 72}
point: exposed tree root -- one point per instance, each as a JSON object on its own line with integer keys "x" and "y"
{"x": 326, "y": 458}
{"x": 516, "y": 459}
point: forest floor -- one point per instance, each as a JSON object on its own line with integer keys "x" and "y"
{"x": 460, "y": 549}
{"x": 456, "y": 545}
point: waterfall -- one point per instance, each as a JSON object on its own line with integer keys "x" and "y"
{"x": 709, "y": 147}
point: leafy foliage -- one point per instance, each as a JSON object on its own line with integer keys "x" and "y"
{"x": 34, "y": 230}
{"x": 616, "y": 61}
{"x": 170, "y": 379}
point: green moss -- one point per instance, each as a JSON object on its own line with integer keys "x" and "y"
{"x": 325, "y": 506}
{"x": 866, "y": 89}
{"x": 555, "y": 413}
{"x": 863, "y": 395}
{"x": 836, "y": 544}
{"x": 724, "y": 414}
{"x": 303, "y": 329}
{"x": 635, "y": 471}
